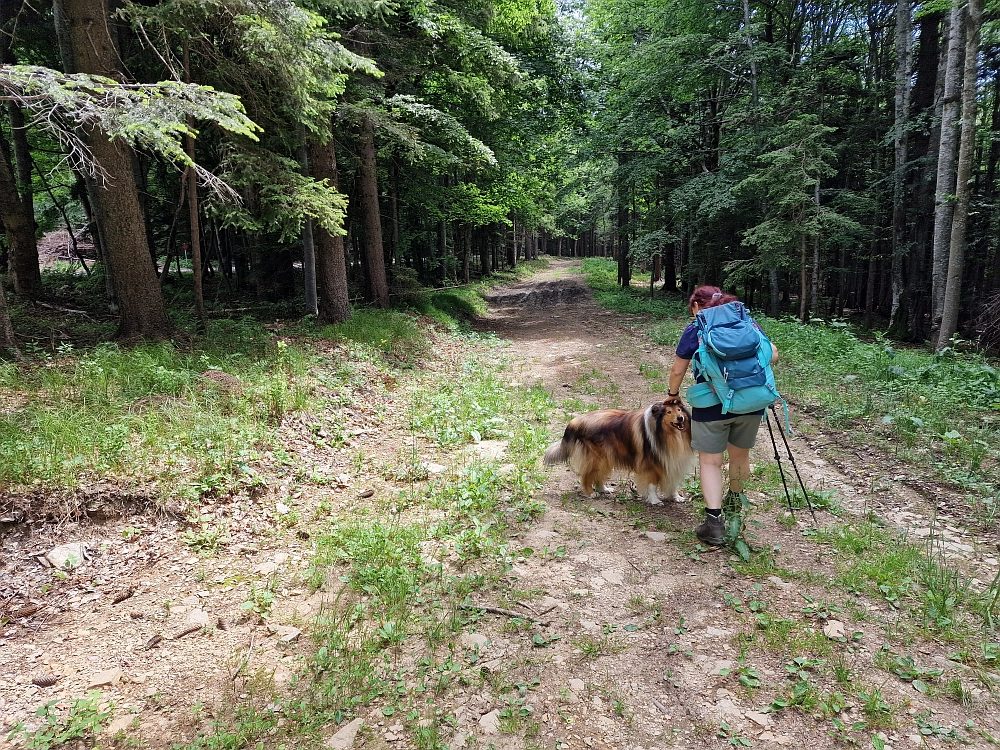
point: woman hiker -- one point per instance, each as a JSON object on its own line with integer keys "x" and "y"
{"x": 713, "y": 432}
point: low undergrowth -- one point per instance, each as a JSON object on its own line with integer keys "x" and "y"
{"x": 188, "y": 420}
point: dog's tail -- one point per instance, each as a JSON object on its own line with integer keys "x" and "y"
{"x": 557, "y": 453}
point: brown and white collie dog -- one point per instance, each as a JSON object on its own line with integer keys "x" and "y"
{"x": 655, "y": 443}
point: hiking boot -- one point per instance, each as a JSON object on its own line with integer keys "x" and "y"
{"x": 734, "y": 503}
{"x": 712, "y": 531}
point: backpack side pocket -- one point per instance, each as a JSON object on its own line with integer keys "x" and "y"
{"x": 702, "y": 395}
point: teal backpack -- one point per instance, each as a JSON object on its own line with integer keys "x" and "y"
{"x": 734, "y": 358}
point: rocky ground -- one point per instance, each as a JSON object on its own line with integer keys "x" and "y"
{"x": 630, "y": 634}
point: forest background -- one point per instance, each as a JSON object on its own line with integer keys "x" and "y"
{"x": 829, "y": 159}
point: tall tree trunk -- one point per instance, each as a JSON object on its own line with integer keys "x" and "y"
{"x": 485, "y": 265}
{"x": 945, "y": 187}
{"x": 371, "y": 221}
{"x": 194, "y": 219}
{"x": 512, "y": 247}
{"x": 394, "y": 207}
{"x": 24, "y": 254}
{"x": 922, "y": 150}
{"x": 308, "y": 239}
{"x": 331, "y": 264}
{"x": 443, "y": 249}
{"x": 83, "y": 29}
{"x": 624, "y": 255}
{"x": 870, "y": 290}
{"x": 7, "y": 340}
{"x": 904, "y": 64}
{"x": 18, "y": 211}
{"x": 20, "y": 230}
{"x": 814, "y": 291}
{"x": 466, "y": 253}
{"x": 775, "y": 306}
{"x": 956, "y": 256}
{"x": 803, "y": 279}
{"x": 196, "y": 263}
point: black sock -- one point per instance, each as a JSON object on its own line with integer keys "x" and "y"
{"x": 714, "y": 512}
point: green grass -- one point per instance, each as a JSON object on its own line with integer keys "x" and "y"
{"x": 477, "y": 404}
{"x": 147, "y": 418}
{"x": 915, "y": 579}
{"x": 146, "y": 414}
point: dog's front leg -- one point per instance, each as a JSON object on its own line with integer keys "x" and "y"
{"x": 650, "y": 494}
{"x": 670, "y": 493}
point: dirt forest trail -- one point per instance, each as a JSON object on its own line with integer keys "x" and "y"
{"x": 608, "y": 625}
{"x": 642, "y": 650}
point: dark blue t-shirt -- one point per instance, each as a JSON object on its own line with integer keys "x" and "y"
{"x": 686, "y": 349}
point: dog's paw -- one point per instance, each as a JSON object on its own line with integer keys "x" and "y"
{"x": 605, "y": 489}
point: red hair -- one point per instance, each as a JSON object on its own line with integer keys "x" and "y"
{"x": 709, "y": 296}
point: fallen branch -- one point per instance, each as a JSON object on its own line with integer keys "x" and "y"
{"x": 496, "y": 611}
{"x": 57, "y": 308}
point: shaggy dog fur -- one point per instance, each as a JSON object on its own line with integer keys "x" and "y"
{"x": 655, "y": 443}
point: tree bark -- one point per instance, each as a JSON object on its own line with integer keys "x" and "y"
{"x": 944, "y": 190}
{"x": 24, "y": 256}
{"x": 20, "y": 230}
{"x": 870, "y": 288}
{"x": 370, "y": 219}
{"x": 956, "y": 256}
{"x": 394, "y": 205}
{"x": 512, "y": 247}
{"x": 193, "y": 218}
{"x": 18, "y": 211}
{"x": 904, "y": 64}
{"x": 814, "y": 291}
{"x": 485, "y": 256}
{"x": 331, "y": 264}
{"x": 83, "y": 29}
{"x": 7, "y": 340}
{"x": 624, "y": 255}
{"x": 803, "y": 279}
{"x": 308, "y": 240}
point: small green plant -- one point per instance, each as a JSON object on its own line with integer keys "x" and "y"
{"x": 878, "y": 712}
{"x": 732, "y": 738}
{"x": 907, "y": 669}
{"x": 82, "y": 720}
{"x": 801, "y": 665}
{"x": 748, "y": 676}
{"x": 819, "y": 609}
{"x": 260, "y": 600}
{"x": 841, "y": 732}
{"x": 594, "y": 647}
{"x": 207, "y": 539}
{"x": 958, "y": 691}
{"x": 929, "y": 728}
{"x": 131, "y": 534}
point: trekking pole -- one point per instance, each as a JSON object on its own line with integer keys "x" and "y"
{"x": 781, "y": 469}
{"x": 791, "y": 458}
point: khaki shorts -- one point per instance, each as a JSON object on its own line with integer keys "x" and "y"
{"x": 713, "y": 437}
